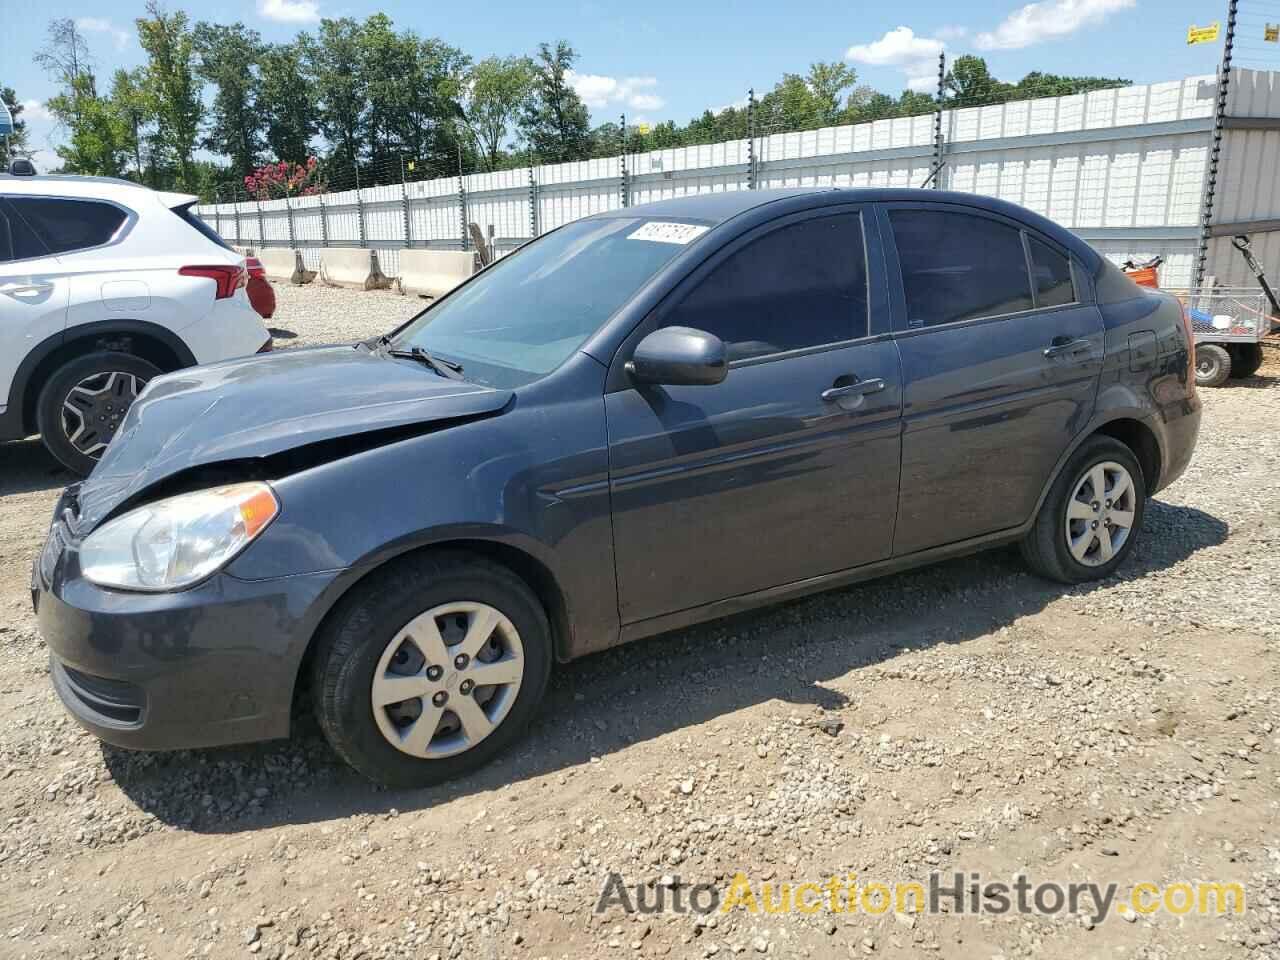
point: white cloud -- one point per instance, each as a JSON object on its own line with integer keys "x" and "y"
{"x": 34, "y": 110}
{"x": 1037, "y": 22}
{"x": 917, "y": 57}
{"x": 119, "y": 36}
{"x": 289, "y": 11}
{"x": 599, "y": 91}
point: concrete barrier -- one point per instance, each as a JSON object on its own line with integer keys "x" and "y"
{"x": 433, "y": 273}
{"x": 352, "y": 267}
{"x": 282, "y": 264}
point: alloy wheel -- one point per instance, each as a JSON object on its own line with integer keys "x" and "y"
{"x": 1100, "y": 513}
{"x": 94, "y": 408}
{"x": 447, "y": 679}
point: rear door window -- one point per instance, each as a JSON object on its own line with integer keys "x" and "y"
{"x": 958, "y": 266}
{"x": 802, "y": 285}
{"x": 17, "y": 241}
{"x": 65, "y": 226}
{"x": 1051, "y": 274}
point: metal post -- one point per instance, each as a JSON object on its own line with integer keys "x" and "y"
{"x": 324, "y": 222}
{"x": 217, "y": 211}
{"x": 937, "y": 123}
{"x": 262, "y": 234}
{"x": 235, "y": 211}
{"x": 462, "y": 203}
{"x": 624, "y": 189}
{"x": 1215, "y": 148}
{"x": 751, "y": 139}
{"x": 533, "y": 198}
{"x": 404, "y": 206}
{"x": 288, "y": 209}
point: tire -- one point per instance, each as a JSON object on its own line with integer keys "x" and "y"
{"x": 102, "y": 386}
{"x": 1213, "y": 365}
{"x": 1245, "y": 360}
{"x": 365, "y": 637}
{"x": 1047, "y": 546}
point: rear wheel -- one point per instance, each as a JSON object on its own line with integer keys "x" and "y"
{"x": 84, "y": 403}
{"x": 1213, "y": 365}
{"x": 1091, "y": 518}
{"x": 1245, "y": 360}
{"x": 431, "y": 668}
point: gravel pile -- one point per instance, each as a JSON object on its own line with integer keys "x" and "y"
{"x": 963, "y": 717}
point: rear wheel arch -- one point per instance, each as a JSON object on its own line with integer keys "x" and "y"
{"x": 149, "y": 341}
{"x": 1141, "y": 439}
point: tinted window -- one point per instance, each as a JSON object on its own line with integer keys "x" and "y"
{"x": 17, "y": 242}
{"x": 959, "y": 267}
{"x": 802, "y": 285}
{"x": 531, "y": 310}
{"x": 66, "y": 225}
{"x": 192, "y": 219}
{"x": 1051, "y": 272}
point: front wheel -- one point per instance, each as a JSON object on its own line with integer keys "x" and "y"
{"x": 431, "y": 668}
{"x": 1091, "y": 518}
{"x": 83, "y": 404}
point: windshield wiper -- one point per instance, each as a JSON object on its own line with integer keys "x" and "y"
{"x": 439, "y": 365}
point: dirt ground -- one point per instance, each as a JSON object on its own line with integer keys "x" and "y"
{"x": 966, "y": 717}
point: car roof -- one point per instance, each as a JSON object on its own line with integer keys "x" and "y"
{"x": 125, "y": 192}
{"x": 716, "y": 208}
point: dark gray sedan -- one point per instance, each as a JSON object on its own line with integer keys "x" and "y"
{"x": 644, "y": 419}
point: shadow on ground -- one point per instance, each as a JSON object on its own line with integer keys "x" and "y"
{"x": 608, "y": 701}
{"x": 26, "y": 466}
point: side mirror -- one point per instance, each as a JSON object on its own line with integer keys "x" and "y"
{"x": 679, "y": 356}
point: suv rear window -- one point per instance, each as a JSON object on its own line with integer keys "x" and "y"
{"x": 191, "y": 219}
{"x": 68, "y": 225}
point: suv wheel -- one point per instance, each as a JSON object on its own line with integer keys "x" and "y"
{"x": 431, "y": 668}
{"x": 83, "y": 404}
{"x": 1091, "y": 518}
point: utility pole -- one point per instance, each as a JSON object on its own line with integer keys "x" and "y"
{"x": 1215, "y": 147}
{"x": 751, "y": 139}
{"x": 624, "y": 191}
{"x": 937, "y": 122}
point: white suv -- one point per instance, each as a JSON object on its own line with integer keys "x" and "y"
{"x": 103, "y": 285}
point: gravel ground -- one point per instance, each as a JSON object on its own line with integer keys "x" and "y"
{"x": 963, "y": 717}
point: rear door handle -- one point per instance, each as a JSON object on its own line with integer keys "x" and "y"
{"x": 25, "y": 289}
{"x": 859, "y": 389}
{"x": 1069, "y": 349}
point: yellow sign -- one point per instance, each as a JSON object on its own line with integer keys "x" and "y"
{"x": 643, "y": 128}
{"x": 1271, "y": 33}
{"x": 410, "y": 164}
{"x": 1207, "y": 34}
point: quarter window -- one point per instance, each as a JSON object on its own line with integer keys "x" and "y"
{"x": 956, "y": 266}
{"x": 68, "y": 225}
{"x": 802, "y": 285}
{"x": 1051, "y": 273}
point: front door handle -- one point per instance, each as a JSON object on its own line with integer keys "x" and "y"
{"x": 1068, "y": 349}
{"x": 25, "y": 289}
{"x": 858, "y": 389}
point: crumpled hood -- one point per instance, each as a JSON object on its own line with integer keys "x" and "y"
{"x": 264, "y": 405}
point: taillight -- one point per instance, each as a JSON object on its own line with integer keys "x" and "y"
{"x": 228, "y": 278}
{"x": 255, "y": 267}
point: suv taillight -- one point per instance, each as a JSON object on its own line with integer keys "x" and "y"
{"x": 255, "y": 268}
{"x": 228, "y": 278}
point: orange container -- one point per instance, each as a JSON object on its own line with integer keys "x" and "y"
{"x": 1146, "y": 277}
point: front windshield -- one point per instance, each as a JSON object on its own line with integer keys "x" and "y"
{"x": 530, "y": 311}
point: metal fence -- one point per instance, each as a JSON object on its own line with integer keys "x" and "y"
{"x": 1125, "y": 168}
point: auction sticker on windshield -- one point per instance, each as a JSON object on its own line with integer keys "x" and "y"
{"x": 664, "y": 232}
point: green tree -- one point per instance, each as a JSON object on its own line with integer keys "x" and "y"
{"x": 555, "y": 119}
{"x": 134, "y": 109}
{"x": 96, "y": 143}
{"x": 334, "y": 61}
{"x": 228, "y": 58}
{"x": 172, "y": 86}
{"x": 497, "y": 89}
{"x": 969, "y": 83}
{"x": 15, "y": 144}
{"x": 827, "y": 83}
{"x": 286, "y": 102}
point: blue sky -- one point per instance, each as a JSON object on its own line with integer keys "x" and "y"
{"x": 669, "y": 59}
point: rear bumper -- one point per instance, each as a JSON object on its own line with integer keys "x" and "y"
{"x": 1180, "y": 429}
{"x": 212, "y": 665}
